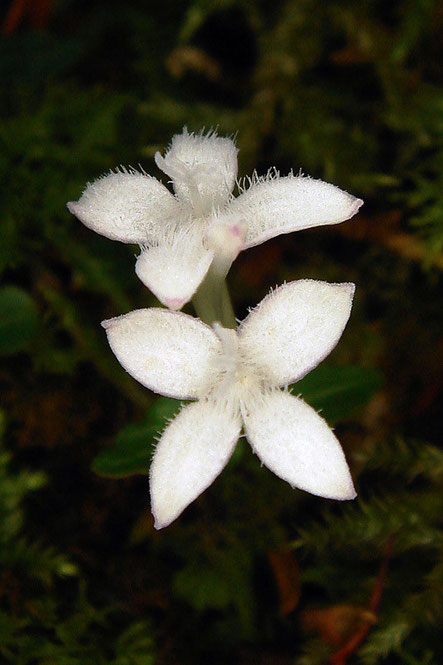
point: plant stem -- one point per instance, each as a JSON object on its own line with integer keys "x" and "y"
{"x": 212, "y": 301}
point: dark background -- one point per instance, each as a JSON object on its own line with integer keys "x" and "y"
{"x": 253, "y": 572}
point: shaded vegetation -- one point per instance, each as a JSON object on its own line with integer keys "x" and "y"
{"x": 253, "y": 572}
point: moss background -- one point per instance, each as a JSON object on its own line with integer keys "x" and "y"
{"x": 253, "y": 572}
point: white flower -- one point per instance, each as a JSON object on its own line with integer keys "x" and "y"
{"x": 236, "y": 376}
{"x": 203, "y": 225}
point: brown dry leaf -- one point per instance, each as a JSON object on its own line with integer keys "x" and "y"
{"x": 34, "y": 12}
{"x": 259, "y": 265}
{"x": 385, "y": 231}
{"x": 47, "y": 414}
{"x": 335, "y": 624}
{"x": 350, "y": 55}
{"x": 142, "y": 529}
{"x": 377, "y": 228}
{"x": 287, "y": 577}
{"x": 189, "y": 58}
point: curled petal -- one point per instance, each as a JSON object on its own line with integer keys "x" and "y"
{"x": 275, "y": 205}
{"x": 193, "y": 450}
{"x": 295, "y": 327}
{"x": 127, "y": 206}
{"x": 174, "y": 269}
{"x": 168, "y": 352}
{"x": 296, "y": 444}
{"x": 202, "y": 167}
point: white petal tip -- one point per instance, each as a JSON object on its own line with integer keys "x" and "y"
{"x": 72, "y": 206}
{"x": 340, "y": 491}
{"x": 337, "y": 486}
{"x": 174, "y": 272}
{"x": 164, "y": 517}
{"x": 174, "y": 303}
{"x": 356, "y": 207}
{"x": 160, "y": 162}
{"x": 107, "y": 323}
{"x": 159, "y": 524}
{"x": 349, "y": 287}
{"x": 347, "y": 494}
{"x": 192, "y": 452}
{"x": 155, "y": 277}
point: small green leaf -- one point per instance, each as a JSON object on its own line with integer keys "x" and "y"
{"x": 222, "y": 580}
{"x": 197, "y": 13}
{"x": 337, "y": 391}
{"x": 18, "y": 320}
{"x": 203, "y": 587}
{"x": 131, "y": 454}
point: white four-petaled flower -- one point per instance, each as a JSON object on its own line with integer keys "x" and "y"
{"x": 235, "y": 375}
{"x": 202, "y": 225}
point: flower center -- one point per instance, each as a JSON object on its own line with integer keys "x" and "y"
{"x": 233, "y": 378}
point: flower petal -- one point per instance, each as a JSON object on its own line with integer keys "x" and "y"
{"x": 127, "y": 206}
{"x": 203, "y": 169}
{"x": 193, "y": 450}
{"x": 175, "y": 268}
{"x": 168, "y": 352}
{"x": 273, "y": 205}
{"x": 296, "y": 444}
{"x": 295, "y": 327}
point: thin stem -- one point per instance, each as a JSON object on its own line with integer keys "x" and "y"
{"x": 212, "y": 301}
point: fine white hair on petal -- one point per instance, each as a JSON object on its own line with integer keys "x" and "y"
{"x": 174, "y": 268}
{"x": 295, "y": 327}
{"x": 126, "y": 205}
{"x": 193, "y": 450}
{"x": 273, "y": 205}
{"x": 168, "y": 352}
{"x": 294, "y": 442}
{"x": 202, "y": 167}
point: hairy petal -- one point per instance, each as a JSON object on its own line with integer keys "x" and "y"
{"x": 295, "y": 327}
{"x": 168, "y": 352}
{"x": 274, "y": 205}
{"x": 296, "y": 444}
{"x": 174, "y": 269}
{"x": 128, "y": 206}
{"x": 193, "y": 450}
{"x": 202, "y": 167}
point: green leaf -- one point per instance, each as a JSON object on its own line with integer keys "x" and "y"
{"x": 131, "y": 454}
{"x": 222, "y": 580}
{"x": 18, "y": 320}
{"x": 35, "y": 56}
{"x": 197, "y": 14}
{"x": 203, "y": 587}
{"x": 337, "y": 391}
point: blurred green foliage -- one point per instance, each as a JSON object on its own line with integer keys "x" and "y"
{"x": 347, "y": 91}
{"x": 18, "y": 320}
{"x": 43, "y": 618}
